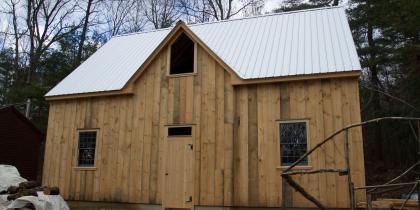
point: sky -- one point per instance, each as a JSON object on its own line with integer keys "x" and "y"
{"x": 269, "y": 5}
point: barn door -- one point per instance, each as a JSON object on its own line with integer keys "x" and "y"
{"x": 178, "y": 173}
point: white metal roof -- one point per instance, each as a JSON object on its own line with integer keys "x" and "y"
{"x": 285, "y": 44}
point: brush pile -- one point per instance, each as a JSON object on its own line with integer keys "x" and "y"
{"x": 18, "y": 193}
{"x": 28, "y": 188}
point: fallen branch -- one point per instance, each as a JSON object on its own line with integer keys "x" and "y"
{"x": 325, "y": 170}
{"x": 341, "y": 130}
{"x": 385, "y": 185}
{"x": 302, "y": 191}
{"x": 398, "y": 177}
{"x": 409, "y": 195}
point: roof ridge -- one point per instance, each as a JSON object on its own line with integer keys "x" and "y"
{"x": 144, "y": 32}
{"x": 268, "y": 15}
{"x": 231, "y": 20}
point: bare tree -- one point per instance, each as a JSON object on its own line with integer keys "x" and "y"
{"x": 136, "y": 18}
{"x": 11, "y": 10}
{"x": 121, "y": 16}
{"x": 214, "y": 9}
{"x": 46, "y": 23}
{"x": 88, "y": 11}
{"x": 161, "y": 13}
{"x": 195, "y": 10}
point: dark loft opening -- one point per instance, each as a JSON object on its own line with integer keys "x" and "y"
{"x": 182, "y": 55}
{"x": 180, "y": 131}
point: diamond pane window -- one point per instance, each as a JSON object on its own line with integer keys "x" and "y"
{"x": 87, "y": 145}
{"x": 293, "y": 142}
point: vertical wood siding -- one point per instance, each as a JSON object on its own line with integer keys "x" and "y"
{"x": 236, "y": 138}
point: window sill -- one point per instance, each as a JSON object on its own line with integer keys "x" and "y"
{"x": 282, "y": 168}
{"x": 182, "y": 75}
{"x": 84, "y": 168}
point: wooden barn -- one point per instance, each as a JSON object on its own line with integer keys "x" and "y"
{"x": 20, "y": 143}
{"x": 208, "y": 115}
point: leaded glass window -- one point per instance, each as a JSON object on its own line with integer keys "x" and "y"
{"x": 87, "y": 146}
{"x": 293, "y": 142}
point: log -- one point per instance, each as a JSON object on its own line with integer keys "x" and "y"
{"x": 21, "y": 193}
{"x": 385, "y": 185}
{"x": 325, "y": 170}
{"x": 399, "y": 176}
{"x": 51, "y": 190}
{"x": 343, "y": 129}
{"x": 12, "y": 189}
{"x": 300, "y": 189}
{"x": 28, "y": 184}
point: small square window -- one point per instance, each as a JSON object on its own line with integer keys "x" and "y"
{"x": 86, "y": 150}
{"x": 293, "y": 142}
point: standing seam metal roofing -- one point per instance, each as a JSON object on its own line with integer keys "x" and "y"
{"x": 304, "y": 42}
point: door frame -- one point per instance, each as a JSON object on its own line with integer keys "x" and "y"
{"x": 164, "y": 161}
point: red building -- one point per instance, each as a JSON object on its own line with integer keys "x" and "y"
{"x": 20, "y": 142}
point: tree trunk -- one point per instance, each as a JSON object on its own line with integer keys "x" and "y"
{"x": 374, "y": 79}
{"x": 29, "y": 21}
{"x": 83, "y": 35}
{"x": 16, "y": 36}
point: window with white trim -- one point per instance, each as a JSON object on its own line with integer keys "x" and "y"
{"x": 87, "y": 147}
{"x": 293, "y": 142}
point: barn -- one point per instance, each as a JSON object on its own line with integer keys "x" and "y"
{"x": 207, "y": 116}
{"x": 20, "y": 143}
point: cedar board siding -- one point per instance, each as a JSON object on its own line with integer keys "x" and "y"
{"x": 236, "y": 138}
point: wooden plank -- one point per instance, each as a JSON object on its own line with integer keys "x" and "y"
{"x": 63, "y": 149}
{"x": 241, "y": 151}
{"x": 154, "y": 173}
{"x": 316, "y": 134}
{"x": 219, "y": 153}
{"x": 262, "y": 146}
{"x": 274, "y": 151}
{"x": 182, "y": 95}
{"x": 189, "y": 102}
{"x": 197, "y": 120}
{"x": 204, "y": 170}
{"x": 145, "y": 190}
{"x": 138, "y": 140}
{"x": 253, "y": 146}
{"x": 49, "y": 144}
{"x": 177, "y": 99}
{"x": 329, "y": 148}
{"x": 162, "y": 122}
{"x": 211, "y": 128}
{"x": 356, "y": 140}
{"x": 171, "y": 99}
{"x": 338, "y": 143}
{"x": 99, "y": 157}
{"x": 120, "y": 152}
{"x": 228, "y": 138}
